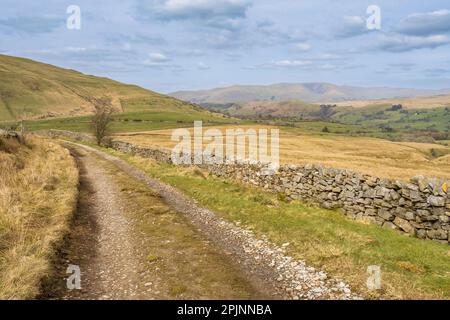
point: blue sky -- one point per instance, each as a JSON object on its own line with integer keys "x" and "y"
{"x": 169, "y": 45}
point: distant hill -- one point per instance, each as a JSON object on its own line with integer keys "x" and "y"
{"x": 267, "y": 109}
{"x": 427, "y": 120}
{"x": 308, "y": 111}
{"x": 308, "y": 92}
{"x": 36, "y": 90}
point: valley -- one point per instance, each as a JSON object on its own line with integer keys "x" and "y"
{"x": 146, "y": 229}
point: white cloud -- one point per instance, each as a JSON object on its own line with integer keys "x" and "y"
{"x": 203, "y": 8}
{"x": 303, "y": 46}
{"x": 29, "y": 24}
{"x": 222, "y": 14}
{"x": 292, "y": 63}
{"x": 401, "y": 43}
{"x": 156, "y": 59}
{"x": 195, "y": 53}
{"x": 328, "y": 66}
{"x": 203, "y": 66}
{"x": 354, "y": 21}
{"x": 424, "y": 24}
{"x": 352, "y": 26}
{"x": 75, "y": 49}
{"x": 329, "y": 56}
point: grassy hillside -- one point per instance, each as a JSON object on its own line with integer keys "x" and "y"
{"x": 378, "y": 120}
{"x": 309, "y": 92}
{"x": 267, "y": 109}
{"x": 38, "y": 194}
{"x": 32, "y": 90}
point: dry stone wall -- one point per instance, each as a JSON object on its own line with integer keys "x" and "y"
{"x": 420, "y": 207}
{"x": 155, "y": 154}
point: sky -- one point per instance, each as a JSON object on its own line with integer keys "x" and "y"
{"x": 171, "y": 45}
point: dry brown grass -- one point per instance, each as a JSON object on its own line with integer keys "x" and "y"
{"x": 38, "y": 193}
{"x": 382, "y": 158}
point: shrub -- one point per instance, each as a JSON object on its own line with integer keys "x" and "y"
{"x": 102, "y": 117}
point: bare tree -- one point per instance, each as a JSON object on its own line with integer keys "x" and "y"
{"x": 102, "y": 117}
{"x": 22, "y": 121}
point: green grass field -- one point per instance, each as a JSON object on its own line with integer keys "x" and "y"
{"x": 128, "y": 122}
{"x": 437, "y": 119}
{"x": 380, "y": 121}
{"x": 418, "y": 130}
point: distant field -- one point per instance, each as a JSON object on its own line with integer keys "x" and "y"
{"x": 383, "y": 158}
{"x": 130, "y": 121}
{"x": 390, "y": 121}
{"x": 379, "y": 119}
{"x": 408, "y": 103}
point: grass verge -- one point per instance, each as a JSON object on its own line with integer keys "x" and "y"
{"x": 411, "y": 268}
{"x": 38, "y": 193}
{"x": 187, "y": 265}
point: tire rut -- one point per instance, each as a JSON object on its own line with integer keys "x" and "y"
{"x": 112, "y": 252}
{"x": 264, "y": 265}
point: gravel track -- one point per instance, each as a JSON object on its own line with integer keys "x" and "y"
{"x": 100, "y": 243}
{"x": 113, "y": 234}
{"x": 265, "y": 265}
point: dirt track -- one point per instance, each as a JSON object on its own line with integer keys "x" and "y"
{"x": 120, "y": 259}
{"x": 219, "y": 259}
